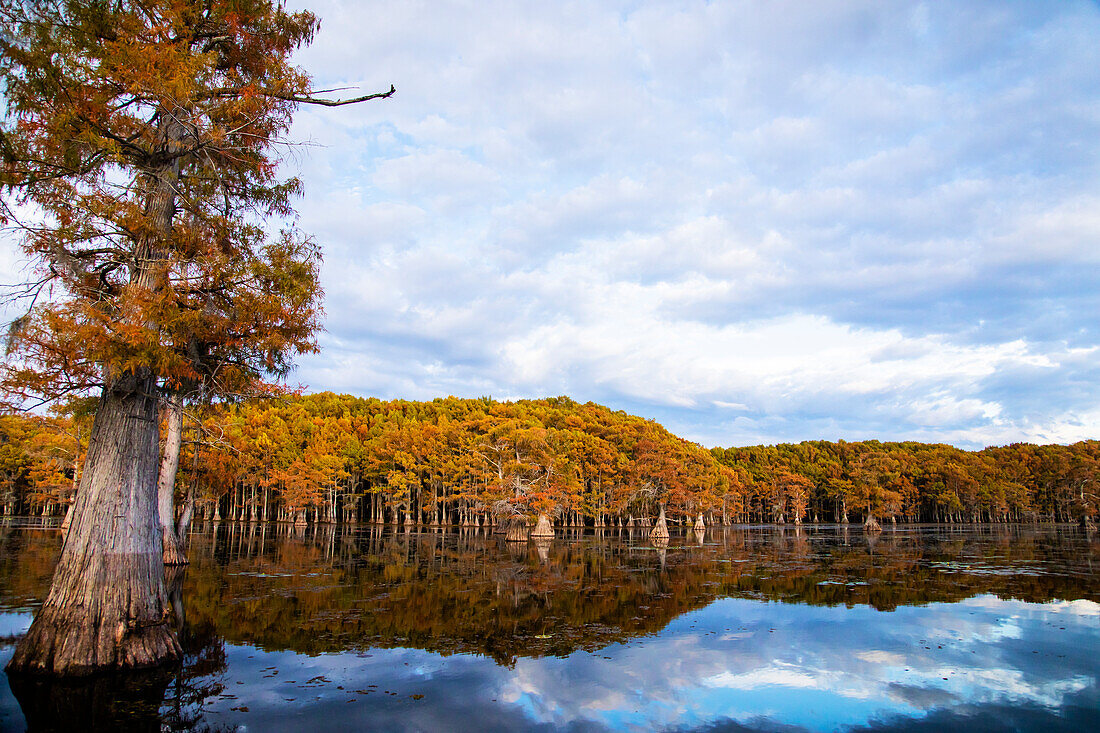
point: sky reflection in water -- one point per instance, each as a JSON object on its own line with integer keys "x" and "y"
{"x": 729, "y": 663}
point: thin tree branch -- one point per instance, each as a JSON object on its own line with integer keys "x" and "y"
{"x": 332, "y": 102}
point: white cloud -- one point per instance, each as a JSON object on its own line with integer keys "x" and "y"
{"x": 783, "y": 676}
{"x": 819, "y": 215}
{"x": 847, "y": 220}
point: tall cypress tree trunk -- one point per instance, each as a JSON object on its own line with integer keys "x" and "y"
{"x": 166, "y": 482}
{"x": 107, "y": 607}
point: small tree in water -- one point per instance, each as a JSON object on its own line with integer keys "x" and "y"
{"x": 138, "y": 161}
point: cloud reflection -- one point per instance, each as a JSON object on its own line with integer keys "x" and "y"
{"x": 737, "y": 664}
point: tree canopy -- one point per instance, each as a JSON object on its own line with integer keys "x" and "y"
{"x": 140, "y": 151}
{"x": 451, "y": 461}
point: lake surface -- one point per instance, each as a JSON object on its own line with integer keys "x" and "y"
{"x": 749, "y": 628}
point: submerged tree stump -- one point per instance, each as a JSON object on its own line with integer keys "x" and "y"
{"x": 543, "y": 528}
{"x": 660, "y": 530}
{"x": 514, "y": 528}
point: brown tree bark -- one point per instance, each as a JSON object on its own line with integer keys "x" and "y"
{"x": 107, "y": 607}
{"x": 166, "y": 482}
{"x": 660, "y": 530}
{"x": 183, "y": 526}
{"x": 543, "y": 528}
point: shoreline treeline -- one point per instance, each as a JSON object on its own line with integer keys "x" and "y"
{"x": 337, "y": 458}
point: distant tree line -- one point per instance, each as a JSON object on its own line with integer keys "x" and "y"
{"x": 336, "y": 458}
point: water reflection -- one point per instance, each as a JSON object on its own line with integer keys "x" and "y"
{"x": 752, "y": 628}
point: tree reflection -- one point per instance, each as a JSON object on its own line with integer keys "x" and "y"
{"x": 102, "y": 703}
{"x": 201, "y": 674}
{"x": 336, "y": 588}
{"x": 168, "y": 698}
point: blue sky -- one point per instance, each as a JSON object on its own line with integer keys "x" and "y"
{"x": 753, "y": 222}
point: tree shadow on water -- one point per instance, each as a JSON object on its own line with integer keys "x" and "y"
{"x": 166, "y": 698}
{"x": 112, "y": 702}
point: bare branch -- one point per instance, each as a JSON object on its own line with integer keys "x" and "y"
{"x": 333, "y": 102}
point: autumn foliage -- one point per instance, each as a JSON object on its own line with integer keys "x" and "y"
{"x": 331, "y": 457}
{"x": 140, "y": 162}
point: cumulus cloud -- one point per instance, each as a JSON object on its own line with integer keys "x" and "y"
{"x": 841, "y": 219}
{"x": 753, "y": 223}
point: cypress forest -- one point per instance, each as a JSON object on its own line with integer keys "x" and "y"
{"x": 336, "y": 458}
{"x": 177, "y": 520}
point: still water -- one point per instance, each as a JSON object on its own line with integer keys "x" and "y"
{"x": 738, "y": 629}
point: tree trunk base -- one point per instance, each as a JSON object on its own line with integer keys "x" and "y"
{"x": 871, "y": 525}
{"x": 543, "y": 528}
{"x": 699, "y": 525}
{"x": 173, "y": 550}
{"x": 107, "y": 609}
{"x": 74, "y": 644}
{"x": 660, "y": 531}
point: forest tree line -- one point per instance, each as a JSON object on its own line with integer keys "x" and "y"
{"x": 337, "y": 458}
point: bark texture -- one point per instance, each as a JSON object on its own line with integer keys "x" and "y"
{"x": 543, "y": 528}
{"x": 107, "y": 608}
{"x": 660, "y": 530}
{"x": 166, "y": 484}
{"x": 183, "y": 526}
{"x": 515, "y": 528}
